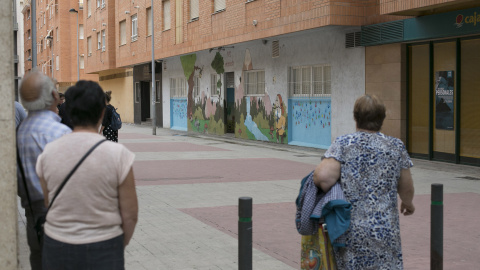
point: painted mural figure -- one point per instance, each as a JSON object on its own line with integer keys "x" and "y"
{"x": 279, "y": 118}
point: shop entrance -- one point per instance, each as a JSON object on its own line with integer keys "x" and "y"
{"x": 443, "y": 100}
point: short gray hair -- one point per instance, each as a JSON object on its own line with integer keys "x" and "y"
{"x": 45, "y": 85}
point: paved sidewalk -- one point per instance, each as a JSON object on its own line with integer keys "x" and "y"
{"x": 189, "y": 184}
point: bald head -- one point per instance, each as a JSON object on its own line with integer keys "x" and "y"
{"x": 37, "y": 92}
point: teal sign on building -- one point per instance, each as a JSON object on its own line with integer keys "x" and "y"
{"x": 455, "y": 23}
{"x": 450, "y": 24}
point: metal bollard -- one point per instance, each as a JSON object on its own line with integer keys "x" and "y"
{"x": 245, "y": 233}
{"x": 436, "y": 228}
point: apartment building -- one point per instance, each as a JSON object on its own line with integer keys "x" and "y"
{"x": 289, "y": 71}
{"x": 56, "y": 40}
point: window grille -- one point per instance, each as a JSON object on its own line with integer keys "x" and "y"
{"x": 254, "y": 82}
{"x": 214, "y": 82}
{"x": 310, "y": 81}
{"x": 178, "y": 87}
{"x": 196, "y": 86}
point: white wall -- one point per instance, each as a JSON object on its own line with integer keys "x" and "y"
{"x": 325, "y": 45}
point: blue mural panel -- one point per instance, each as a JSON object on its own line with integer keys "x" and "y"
{"x": 310, "y": 122}
{"x": 178, "y": 113}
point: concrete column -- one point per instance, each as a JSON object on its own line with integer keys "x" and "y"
{"x": 8, "y": 178}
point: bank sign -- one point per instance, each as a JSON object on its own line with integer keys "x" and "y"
{"x": 450, "y": 24}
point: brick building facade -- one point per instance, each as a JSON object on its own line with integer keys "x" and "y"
{"x": 253, "y": 68}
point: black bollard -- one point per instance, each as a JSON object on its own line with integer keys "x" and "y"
{"x": 245, "y": 233}
{"x": 436, "y": 228}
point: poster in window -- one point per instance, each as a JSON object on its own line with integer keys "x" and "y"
{"x": 444, "y": 98}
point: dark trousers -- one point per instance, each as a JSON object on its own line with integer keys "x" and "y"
{"x": 108, "y": 254}
{"x": 33, "y": 242}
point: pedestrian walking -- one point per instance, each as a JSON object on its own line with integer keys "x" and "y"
{"x": 92, "y": 219}
{"x": 41, "y": 126}
{"x": 107, "y": 130}
{"x": 372, "y": 168}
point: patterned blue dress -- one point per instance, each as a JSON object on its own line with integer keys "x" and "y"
{"x": 370, "y": 170}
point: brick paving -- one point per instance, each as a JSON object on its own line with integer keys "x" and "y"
{"x": 188, "y": 187}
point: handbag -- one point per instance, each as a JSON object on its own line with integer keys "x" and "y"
{"x": 317, "y": 251}
{"x": 40, "y": 221}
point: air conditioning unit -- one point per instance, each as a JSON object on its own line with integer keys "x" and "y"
{"x": 89, "y": 54}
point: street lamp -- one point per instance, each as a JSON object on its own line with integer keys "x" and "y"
{"x": 51, "y": 50}
{"x": 72, "y": 10}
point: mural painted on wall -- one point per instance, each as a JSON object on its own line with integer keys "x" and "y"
{"x": 311, "y": 121}
{"x": 204, "y": 115}
{"x": 257, "y": 118}
{"x": 179, "y": 112}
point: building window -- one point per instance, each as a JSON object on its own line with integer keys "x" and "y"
{"x": 103, "y": 3}
{"x": 80, "y": 5}
{"x": 57, "y": 62}
{"x": 196, "y": 86}
{"x": 134, "y": 27}
{"x": 254, "y": 82}
{"x": 103, "y": 40}
{"x": 149, "y": 21}
{"x": 89, "y": 46}
{"x": 123, "y": 32}
{"x": 89, "y": 8}
{"x": 137, "y": 92}
{"x": 215, "y": 84}
{"x": 179, "y": 22}
{"x": 308, "y": 81}
{"x": 219, "y": 5}
{"x": 166, "y": 14}
{"x": 178, "y": 87}
{"x": 80, "y": 31}
{"x": 98, "y": 3}
{"x": 194, "y": 10}
{"x": 99, "y": 41}
{"x": 158, "y": 92}
{"x": 82, "y": 62}
{"x": 29, "y": 36}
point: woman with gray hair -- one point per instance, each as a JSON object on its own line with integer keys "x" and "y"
{"x": 372, "y": 168}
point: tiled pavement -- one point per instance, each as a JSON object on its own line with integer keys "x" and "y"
{"x": 188, "y": 187}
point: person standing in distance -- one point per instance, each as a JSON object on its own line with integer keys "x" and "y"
{"x": 42, "y": 125}
{"x": 108, "y": 132}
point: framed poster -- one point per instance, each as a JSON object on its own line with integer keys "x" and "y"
{"x": 444, "y": 98}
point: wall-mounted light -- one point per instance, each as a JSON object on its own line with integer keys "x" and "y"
{"x": 255, "y": 22}
{"x": 127, "y": 12}
{"x": 104, "y": 24}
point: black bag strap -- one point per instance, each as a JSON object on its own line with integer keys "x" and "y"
{"x": 73, "y": 171}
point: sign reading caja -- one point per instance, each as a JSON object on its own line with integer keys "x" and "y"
{"x": 472, "y": 19}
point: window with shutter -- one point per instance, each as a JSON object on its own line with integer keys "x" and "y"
{"x": 308, "y": 81}
{"x": 219, "y": 5}
{"x": 123, "y": 32}
{"x": 149, "y": 21}
{"x": 166, "y": 15}
{"x": 194, "y": 9}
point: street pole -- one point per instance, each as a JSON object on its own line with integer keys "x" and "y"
{"x": 33, "y": 20}
{"x": 72, "y": 10}
{"x": 153, "y": 110}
